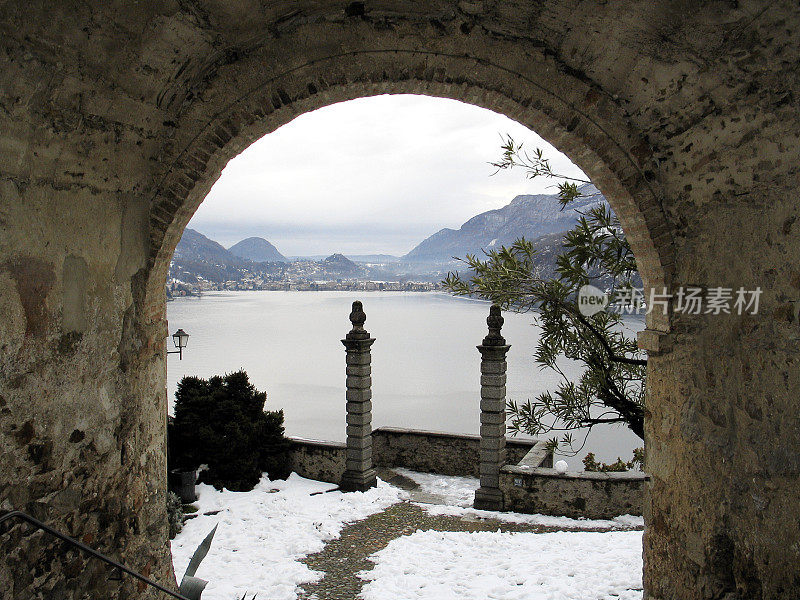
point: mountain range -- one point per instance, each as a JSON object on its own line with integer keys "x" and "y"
{"x": 197, "y": 256}
{"x": 531, "y": 216}
{"x": 538, "y": 218}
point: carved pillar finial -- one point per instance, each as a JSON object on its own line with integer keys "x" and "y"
{"x": 358, "y": 317}
{"x": 495, "y": 322}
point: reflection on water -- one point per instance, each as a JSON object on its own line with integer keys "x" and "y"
{"x": 425, "y": 367}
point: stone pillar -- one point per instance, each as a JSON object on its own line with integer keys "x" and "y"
{"x": 359, "y": 473}
{"x": 493, "y": 413}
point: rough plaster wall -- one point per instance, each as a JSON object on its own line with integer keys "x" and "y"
{"x": 723, "y": 406}
{"x": 81, "y": 418}
{"x": 684, "y": 113}
{"x": 82, "y": 408}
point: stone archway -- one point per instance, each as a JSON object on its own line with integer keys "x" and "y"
{"x": 117, "y": 121}
{"x": 600, "y": 143}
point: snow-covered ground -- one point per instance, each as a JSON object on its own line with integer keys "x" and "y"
{"x": 431, "y": 565}
{"x": 263, "y": 533}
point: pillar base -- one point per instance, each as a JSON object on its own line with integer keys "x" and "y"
{"x": 358, "y": 481}
{"x": 488, "y": 499}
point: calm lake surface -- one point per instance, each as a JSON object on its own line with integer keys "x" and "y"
{"x": 425, "y": 368}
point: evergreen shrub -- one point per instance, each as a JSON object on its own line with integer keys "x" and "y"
{"x": 221, "y": 423}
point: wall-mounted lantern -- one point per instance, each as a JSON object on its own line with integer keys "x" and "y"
{"x": 180, "y": 338}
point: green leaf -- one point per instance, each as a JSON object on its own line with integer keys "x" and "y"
{"x": 200, "y": 553}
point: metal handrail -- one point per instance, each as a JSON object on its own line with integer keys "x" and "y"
{"x": 94, "y": 553}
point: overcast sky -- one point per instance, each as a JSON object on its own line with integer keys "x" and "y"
{"x": 373, "y": 175}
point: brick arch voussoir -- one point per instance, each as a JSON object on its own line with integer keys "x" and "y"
{"x": 571, "y": 114}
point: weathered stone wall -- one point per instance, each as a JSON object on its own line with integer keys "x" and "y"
{"x": 434, "y": 452}
{"x": 574, "y": 494}
{"x": 115, "y": 120}
{"x": 425, "y": 451}
{"x": 314, "y": 459}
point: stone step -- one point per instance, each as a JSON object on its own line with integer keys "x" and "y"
{"x": 396, "y": 479}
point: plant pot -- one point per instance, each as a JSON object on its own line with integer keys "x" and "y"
{"x": 182, "y": 483}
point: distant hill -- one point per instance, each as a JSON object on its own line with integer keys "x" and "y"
{"x": 537, "y": 217}
{"x": 531, "y": 216}
{"x": 194, "y": 246}
{"x": 258, "y": 250}
{"x": 341, "y": 265}
{"x": 198, "y": 256}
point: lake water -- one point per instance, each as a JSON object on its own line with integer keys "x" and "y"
{"x": 425, "y": 367}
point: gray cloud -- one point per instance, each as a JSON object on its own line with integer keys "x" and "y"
{"x": 370, "y": 175}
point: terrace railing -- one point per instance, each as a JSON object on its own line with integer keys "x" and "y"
{"x": 21, "y": 516}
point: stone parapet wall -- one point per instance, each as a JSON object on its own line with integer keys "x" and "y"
{"x": 586, "y": 494}
{"x": 434, "y": 452}
{"x": 425, "y": 451}
{"x": 322, "y": 461}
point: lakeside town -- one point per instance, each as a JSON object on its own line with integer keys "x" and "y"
{"x": 202, "y": 265}
{"x": 176, "y": 288}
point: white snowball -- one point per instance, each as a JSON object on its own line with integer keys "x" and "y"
{"x": 561, "y": 466}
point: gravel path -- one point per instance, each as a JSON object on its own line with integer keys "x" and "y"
{"x": 343, "y": 558}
